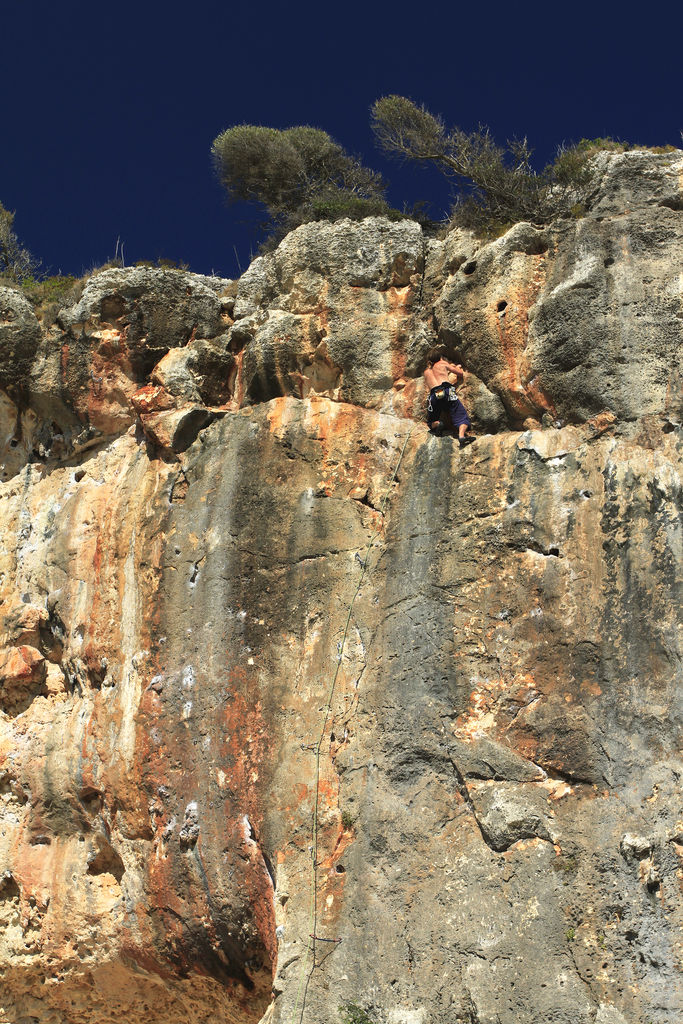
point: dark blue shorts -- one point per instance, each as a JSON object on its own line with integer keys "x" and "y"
{"x": 443, "y": 399}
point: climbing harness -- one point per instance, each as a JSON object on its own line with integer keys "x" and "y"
{"x": 442, "y": 393}
{"x": 315, "y": 864}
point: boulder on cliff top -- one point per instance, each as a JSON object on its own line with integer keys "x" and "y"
{"x": 336, "y": 309}
{"x": 155, "y": 310}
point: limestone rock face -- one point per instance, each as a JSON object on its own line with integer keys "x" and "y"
{"x": 74, "y": 388}
{"x": 337, "y": 311}
{"x": 585, "y": 315}
{"x": 19, "y": 338}
{"x": 240, "y": 543}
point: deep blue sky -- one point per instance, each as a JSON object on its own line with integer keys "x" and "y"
{"x": 110, "y": 109}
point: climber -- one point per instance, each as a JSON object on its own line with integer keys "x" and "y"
{"x": 442, "y": 396}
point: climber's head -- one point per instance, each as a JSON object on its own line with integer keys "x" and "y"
{"x": 436, "y": 353}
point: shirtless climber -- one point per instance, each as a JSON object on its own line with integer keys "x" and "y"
{"x": 442, "y": 396}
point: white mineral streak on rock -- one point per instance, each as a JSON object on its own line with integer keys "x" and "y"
{"x": 609, "y": 1015}
{"x": 585, "y": 267}
{"x": 130, "y": 687}
{"x": 407, "y": 1016}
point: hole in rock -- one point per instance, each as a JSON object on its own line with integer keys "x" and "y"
{"x": 501, "y": 305}
{"x": 78, "y": 475}
{"x": 609, "y": 261}
{"x": 340, "y": 869}
{"x": 105, "y": 860}
{"x": 469, "y": 267}
{"x": 675, "y": 203}
{"x": 13, "y": 443}
{"x": 112, "y": 307}
{"x": 536, "y": 246}
{"x": 12, "y": 790}
{"x": 332, "y": 737}
{"x": 9, "y": 890}
{"x": 91, "y": 799}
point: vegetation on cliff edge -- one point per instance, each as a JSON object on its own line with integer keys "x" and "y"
{"x": 297, "y": 175}
{"x": 495, "y": 186}
{"x": 16, "y": 262}
{"x": 301, "y": 174}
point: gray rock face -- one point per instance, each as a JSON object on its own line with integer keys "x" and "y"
{"x": 19, "y": 338}
{"x": 339, "y": 312}
{"x": 158, "y": 309}
{"x": 72, "y": 386}
{"x": 498, "y": 837}
{"x": 583, "y": 316}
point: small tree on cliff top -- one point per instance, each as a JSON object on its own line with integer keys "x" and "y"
{"x": 297, "y": 174}
{"x": 497, "y": 184}
{"x": 16, "y": 262}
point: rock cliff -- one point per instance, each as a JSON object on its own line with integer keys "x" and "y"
{"x": 196, "y": 476}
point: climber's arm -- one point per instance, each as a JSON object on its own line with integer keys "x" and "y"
{"x": 457, "y": 369}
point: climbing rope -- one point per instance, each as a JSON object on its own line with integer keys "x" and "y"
{"x": 316, "y": 748}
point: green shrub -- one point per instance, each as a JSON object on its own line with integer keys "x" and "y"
{"x": 48, "y": 289}
{"x": 296, "y": 175}
{"x": 162, "y": 263}
{"x": 571, "y": 166}
{"x": 467, "y": 213}
{"x": 48, "y": 295}
{"x": 352, "y": 1013}
{"x": 165, "y": 264}
{"x": 338, "y": 206}
{"x": 570, "y": 934}
{"x": 347, "y": 820}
